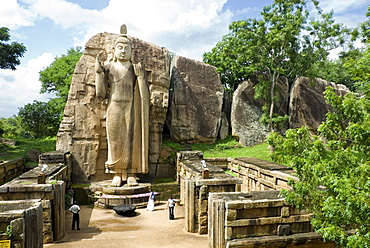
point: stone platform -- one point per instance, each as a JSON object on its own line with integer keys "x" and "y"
{"x": 105, "y": 188}
{"x": 106, "y": 196}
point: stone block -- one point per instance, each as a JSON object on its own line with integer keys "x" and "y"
{"x": 47, "y": 228}
{"x": 283, "y": 230}
{"x": 231, "y": 214}
{"x": 285, "y": 212}
{"x": 203, "y": 220}
{"x": 205, "y": 173}
{"x": 47, "y": 238}
{"x": 203, "y": 206}
{"x": 4, "y": 189}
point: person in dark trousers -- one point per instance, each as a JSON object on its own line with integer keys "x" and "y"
{"x": 75, "y": 210}
{"x": 171, "y": 207}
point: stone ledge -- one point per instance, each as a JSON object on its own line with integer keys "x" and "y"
{"x": 311, "y": 239}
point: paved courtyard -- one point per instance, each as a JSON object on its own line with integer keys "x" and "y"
{"x": 104, "y": 228}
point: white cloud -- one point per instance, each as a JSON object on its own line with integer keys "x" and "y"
{"x": 346, "y": 12}
{"x": 187, "y": 26}
{"x": 156, "y": 21}
{"x": 246, "y": 11}
{"x": 13, "y": 15}
{"x": 17, "y": 88}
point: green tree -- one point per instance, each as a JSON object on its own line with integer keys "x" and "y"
{"x": 39, "y": 120}
{"x": 352, "y": 68}
{"x": 9, "y": 53}
{"x": 334, "y": 176}
{"x": 359, "y": 68}
{"x": 57, "y": 77}
{"x": 11, "y": 127}
{"x": 287, "y": 42}
{"x": 336, "y": 70}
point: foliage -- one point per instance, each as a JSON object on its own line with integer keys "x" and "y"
{"x": 334, "y": 176}
{"x": 11, "y": 127}
{"x": 9, "y": 53}
{"x": 57, "y": 77}
{"x": 23, "y": 145}
{"x": 39, "y": 120}
{"x": 364, "y": 28}
{"x": 9, "y": 230}
{"x": 359, "y": 68}
{"x": 287, "y": 42}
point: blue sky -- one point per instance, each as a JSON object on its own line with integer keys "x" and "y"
{"x": 189, "y": 28}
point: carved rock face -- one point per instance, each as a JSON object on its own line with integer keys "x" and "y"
{"x": 196, "y": 97}
{"x": 82, "y": 131}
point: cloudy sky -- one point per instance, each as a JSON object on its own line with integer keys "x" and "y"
{"x": 48, "y": 28}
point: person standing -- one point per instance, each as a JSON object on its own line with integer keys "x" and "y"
{"x": 171, "y": 207}
{"x": 151, "y": 201}
{"x": 75, "y": 210}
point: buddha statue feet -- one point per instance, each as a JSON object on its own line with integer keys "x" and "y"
{"x": 131, "y": 181}
{"x": 117, "y": 181}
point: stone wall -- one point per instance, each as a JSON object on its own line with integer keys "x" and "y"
{"x": 196, "y": 183}
{"x": 58, "y": 158}
{"x": 231, "y": 218}
{"x": 11, "y": 169}
{"x": 26, "y": 219}
{"x": 259, "y": 219}
{"x": 259, "y": 174}
{"x": 51, "y": 194}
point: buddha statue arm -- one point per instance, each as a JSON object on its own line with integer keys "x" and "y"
{"x": 100, "y": 77}
{"x": 144, "y": 96}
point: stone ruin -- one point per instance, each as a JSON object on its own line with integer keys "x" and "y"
{"x": 187, "y": 102}
{"x": 244, "y": 210}
{"x": 193, "y": 90}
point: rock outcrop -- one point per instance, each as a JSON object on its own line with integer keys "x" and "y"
{"x": 307, "y": 105}
{"x": 195, "y": 103}
{"x": 82, "y": 131}
{"x": 246, "y": 112}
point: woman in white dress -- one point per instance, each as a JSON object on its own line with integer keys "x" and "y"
{"x": 150, "y": 205}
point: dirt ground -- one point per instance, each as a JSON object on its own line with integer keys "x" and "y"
{"x": 104, "y": 228}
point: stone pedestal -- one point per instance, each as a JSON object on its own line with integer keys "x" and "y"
{"x": 109, "y": 197}
{"x": 105, "y": 188}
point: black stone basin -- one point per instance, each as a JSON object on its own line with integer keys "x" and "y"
{"x": 125, "y": 210}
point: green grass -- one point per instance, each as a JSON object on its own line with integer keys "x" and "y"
{"x": 224, "y": 148}
{"x": 23, "y": 145}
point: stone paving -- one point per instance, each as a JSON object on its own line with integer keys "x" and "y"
{"x": 102, "y": 228}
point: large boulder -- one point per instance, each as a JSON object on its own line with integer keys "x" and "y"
{"x": 8, "y": 142}
{"x": 246, "y": 111}
{"x": 82, "y": 131}
{"x": 195, "y": 103}
{"x": 307, "y": 103}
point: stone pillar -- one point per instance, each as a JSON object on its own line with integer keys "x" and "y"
{"x": 205, "y": 173}
{"x": 216, "y": 221}
{"x": 190, "y": 205}
{"x": 41, "y": 177}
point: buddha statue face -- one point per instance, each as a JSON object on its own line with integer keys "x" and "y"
{"x": 122, "y": 51}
